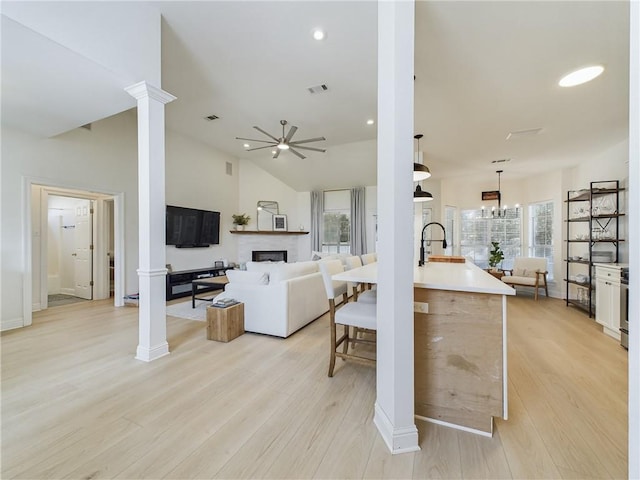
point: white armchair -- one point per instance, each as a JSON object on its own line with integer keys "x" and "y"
{"x": 528, "y": 272}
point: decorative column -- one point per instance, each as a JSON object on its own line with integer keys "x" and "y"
{"x": 152, "y": 272}
{"x": 394, "y": 409}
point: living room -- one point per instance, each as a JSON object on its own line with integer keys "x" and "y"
{"x": 94, "y": 161}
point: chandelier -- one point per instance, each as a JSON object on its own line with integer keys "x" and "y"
{"x": 501, "y": 211}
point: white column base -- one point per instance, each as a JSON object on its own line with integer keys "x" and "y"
{"x": 398, "y": 440}
{"x": 149, "y": 354}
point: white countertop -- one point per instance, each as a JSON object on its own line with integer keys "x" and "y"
{"x": 461, "y": 277}
{"x": 611, "y": 265}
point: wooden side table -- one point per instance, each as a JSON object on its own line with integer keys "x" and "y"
{"x": 499, "y": 274}
{"x": 225, "y": 324}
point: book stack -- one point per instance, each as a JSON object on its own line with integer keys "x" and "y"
{"x": 224, "y": 303}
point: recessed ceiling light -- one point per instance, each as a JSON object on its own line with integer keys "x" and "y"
{"x": 318, "y": 34}
{"x": 581, "y": 76}
{"x": 370, "y": 121}
{"x": 246, "y": 145}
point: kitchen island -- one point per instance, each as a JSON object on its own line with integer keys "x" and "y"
{"x": 460, "y": 340}
{"x": 460, "y": 321}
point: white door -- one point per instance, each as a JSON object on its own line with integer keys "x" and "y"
{"x": 83, "y": 252}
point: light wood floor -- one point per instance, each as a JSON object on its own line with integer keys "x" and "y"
{"x": 75, "y": 404}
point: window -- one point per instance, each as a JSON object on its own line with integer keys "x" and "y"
{"x": 449, "y": 225}
{"x": 478, "y": 231}
{"x": 541, "y": 233}
{"x": 337, "y": 222}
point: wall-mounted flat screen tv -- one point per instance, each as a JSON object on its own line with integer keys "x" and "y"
{"x": 190, "y": 227}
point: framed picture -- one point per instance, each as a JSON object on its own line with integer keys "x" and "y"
{"x": 279, "y": 223}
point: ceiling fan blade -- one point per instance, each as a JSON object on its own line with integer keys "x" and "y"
{"x": 267, "y": 134}
{"x": 292, "y": 130}
{"x": 259, "y": 148}
{"x": 307, "y": 148}
{"x": 275, "y": 155}
{"x": 317, "y": 139}
{"x": 297, "y": 153}
{"x": 253, "y": 140}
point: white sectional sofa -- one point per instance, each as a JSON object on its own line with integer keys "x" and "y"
{"x": 279, "y": 298}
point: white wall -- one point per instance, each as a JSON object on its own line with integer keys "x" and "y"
{"x": 612, "y": 164}
{"x": 196, "y": 178}
{"x": 104, "y": 160}
{"x": 101, "y": 160}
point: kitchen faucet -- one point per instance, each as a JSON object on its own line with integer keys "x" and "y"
{"x": 444, "y": 240}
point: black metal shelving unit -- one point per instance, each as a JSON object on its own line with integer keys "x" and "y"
{"x": 604, "y": 229}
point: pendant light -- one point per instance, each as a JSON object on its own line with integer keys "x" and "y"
{"x": 421, "y": 195}
{"x": 420, "y": 171}
{"x": 501, "y": 211}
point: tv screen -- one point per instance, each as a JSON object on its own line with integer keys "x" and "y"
{"x": 189, "y": 227}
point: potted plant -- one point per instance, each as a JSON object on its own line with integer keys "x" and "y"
{"x": 495, "y": 255}
{"x": 240, "y": 220}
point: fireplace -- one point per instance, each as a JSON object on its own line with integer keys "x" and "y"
{"x": 269, "y": 255}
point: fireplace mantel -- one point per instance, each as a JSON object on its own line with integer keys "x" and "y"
{"x": 265, "y": 232}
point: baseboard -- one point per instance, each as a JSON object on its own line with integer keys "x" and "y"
{"x": 11, "y": 324}
{"x": 398, "y": 440}
{"x": 68, "y": 291}
{"x": 151, "y": 354}
{"x": 36, "y": 307}
{"x": 458, "y": 427}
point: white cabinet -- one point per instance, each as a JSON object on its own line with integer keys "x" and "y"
{"x": 608, "y": 299}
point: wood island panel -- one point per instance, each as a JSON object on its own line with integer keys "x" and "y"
{"x": 459, "y": 371}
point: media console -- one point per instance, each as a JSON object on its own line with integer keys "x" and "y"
{"x": 179, "y": 283}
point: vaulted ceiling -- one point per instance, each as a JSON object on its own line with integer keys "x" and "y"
{"x": 483, "y": 69}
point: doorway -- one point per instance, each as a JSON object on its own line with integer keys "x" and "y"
{"x": 69, "y": 249}
{"x": 73, "y": 253}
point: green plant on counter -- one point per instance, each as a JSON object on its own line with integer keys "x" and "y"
{"x": 495, "y": 255}
{"x": 241, "y": 219}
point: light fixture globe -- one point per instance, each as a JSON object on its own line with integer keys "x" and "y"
{"x": 283, "y": 146}
{"x": 421, "y": 196}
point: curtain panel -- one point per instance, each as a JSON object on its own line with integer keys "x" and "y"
{"x": 317, "y": 220}
{"x": 358, "y": 222}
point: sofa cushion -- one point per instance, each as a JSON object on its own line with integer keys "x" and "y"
{"x": 519, "y": 280}
{"x": 287, "y": 271}
{"x": 254, "y": 278}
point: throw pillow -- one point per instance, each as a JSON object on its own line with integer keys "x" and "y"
{"x": 520, "y": 272}
{"x": 253, "y": 278}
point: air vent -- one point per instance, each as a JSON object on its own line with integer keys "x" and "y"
{"x": 524, "y": 133}
{"x": 211, "y": 117}
{"x": 318, "y": 88}
{"x": 502, "y": 160}
{"x": 229, "y": 168}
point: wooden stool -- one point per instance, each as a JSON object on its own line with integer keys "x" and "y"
{"x": 225, "y": 324}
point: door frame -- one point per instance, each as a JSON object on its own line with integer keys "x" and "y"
{"x": 50, "y": 187}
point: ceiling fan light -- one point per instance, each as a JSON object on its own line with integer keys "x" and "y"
{"x": 420, "y": 172}
{"x": 421, "y": 196}
{"x": 283, "y": 146}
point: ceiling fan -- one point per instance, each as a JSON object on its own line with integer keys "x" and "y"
{"x": 284, "y": 142}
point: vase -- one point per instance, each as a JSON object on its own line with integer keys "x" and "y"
{"x": 240, "y": 228}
